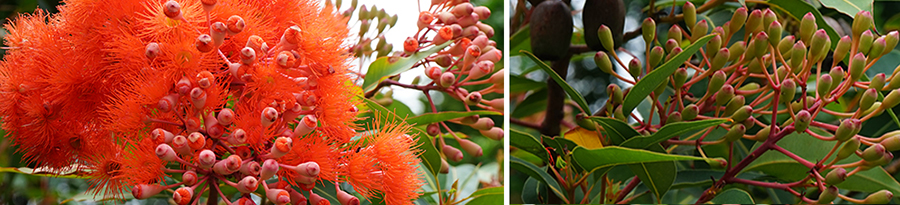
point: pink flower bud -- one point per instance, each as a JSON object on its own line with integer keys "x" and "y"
{"x": 172, "y": 10}
{"x": 463, "y": 9}
{"x": 217, "y": 31}
{"x": 278, "y": 196}
{"x": 483, "y": 124}
{"x": 281, "y": 147}
{"x": 495, "y": 133}
{"x": 189, "y": 178}
{"x": 250, "y": 168}
{"x": 161, "y": 135}
{"x": 248, "y": 56}
{"x": 433, "y": 72}
{"x": 183, "y": 195}
{"x": 452, "y": 153}
{"x": 167, "y": 103}
{"x": 316, "y": 199}
{"x": 248, "y": 184}
{"x": 235, "y": 24}
{"x": 183, "y": 86}
{"x": 206, "y": 159}
{"x": 198, "y": 98}
{"x": 152, "y": 50}
{"x": 238, "y": 136}
{"x": 306, "y": 125}
{"x": 470, "y": 147}
{"x": 268, "y": 169}
{"x": 347, "y": 199}
{"x": 268, "y": 116}
{"x": 166, "y": 153}
{"x": 473, "y": 98}
{"x": 297, "y": 198}
{"x": 492, "y": 55}
{"x": 228, "y": 165}
{"x": 225, "y": 117}
{"x": 433, "y": 129}
{"x": 425, "y": 19}
{"x": 483, "y": 12}
{"x": 309, "y": 169}
{"x": 447, "y": 79}
{"x": 180, "y": 144}
{"x": 144, "y": 191}
{"x": 481, "y": 69}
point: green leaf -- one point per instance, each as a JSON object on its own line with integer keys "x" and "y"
{"x": 669, "y": 131}
{"x": 521, "y": 40}
{"x": 617, "y": 130}
{"x": 531, "y": 191}
{"x": 733, "y": 196}
{"x": 493, "y": 195}
{"x": 534, "y": 103}
{"x": 429, "y": 118}
{"x": 430, "y": 156}
{"x": 387, "y": 66}
{"x": 660, "y": 75}
{"x": 798, "y": 8}
{"x": 539, "y": 174}
{"x": 848, "y": 7}
{"x": 657, "y": 176}
{"x": 562, "y": 82}
{"x": 559, "y": 144}
{"x": 529, "y": 143}
{"x": 812, "y": 149}
{"x": 593, "y": 159}
{"x": 522, "y": 84}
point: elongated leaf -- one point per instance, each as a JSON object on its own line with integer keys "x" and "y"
{"x": 733, "y": 196}
{"x": 669, "y": 131}
{"x": 430, "y": 156}
{"x": 660, "y": 75}
{"x": 529, "y": 143}
{"x": 559, "y": 144}
{"x": 531, "y": 192}
{"x": 593, "y": 159}
{"x": 798, "y": 8}
{"x": 429, "y": 118}
{"x": 493, "y": 195}
{"x": 562, "y": 82}
{"x": 74, "y": 171}
{"x": 617, "y": 130}
{"x": 520, "y": 40}
{"x": 539, "y": 174}
{"x": 534, "y": 103}
{"x": 522, "y": 84}
{"x": 657, "y": 176}
{"x": 848, "y": 7}
{"x": 387, "y": 66}
{"x": 585, "y": 138}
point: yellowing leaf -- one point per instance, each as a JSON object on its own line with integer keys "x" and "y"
{"x": 585, "y": 138}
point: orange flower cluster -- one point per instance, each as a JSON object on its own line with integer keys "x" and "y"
{"x": 227, "y": 92}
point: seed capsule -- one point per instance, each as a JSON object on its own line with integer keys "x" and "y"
{"x": 551, "y": 29}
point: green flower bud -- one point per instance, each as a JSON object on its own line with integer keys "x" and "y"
{"x": 617, "y": 113}
{"x": 836, "y": 176}
{"x": 895, "y": 81}
{"x": 754, "y": 22}
{"x": 749, "y": 122}
{"x": 785, "y": 46}
{"x": 807, "y": 27}
{"x": 713, "y": 45}
{"x": 690, "y": 13}
{"x": 738, "y": 19}
{"x": 634, "y": 68}
{"x": 699, "y": 30}
{"x": 837, "y": 75}
{"x": 782, "y": 72}
{"x": 674, "y": 33}
{"x": 865, "y": 42}
{"x": 719, "y": 60}
{"x": 736, "y": 51}
{"x": 886, "y": 158}
{"x": 603, "y": 62}
{"x": 755, "y": 67}
{"x": 827, "y": 195}
{"x": 656, "y": 56}
{"x": 877, "y": 81}
{"x": 878, "y": 48}
{"x": 788, "y": 89}
{"x": 769, "y": 17}
{"x": 615, "y": 94}
{"x": 891, "y": 141}
{"x": 874, "y": 108}
{"x": 648, "y": 30}
{"x": 675, "y": 51}
{"x": 880, "y": 197}
{"x": 823, "y": 86}
{"x": 874, "y": 152}
{"x": 671, "y": 44}
{"x": 734, "y": 105}
{"x": 749, "y": 86}
{"x": 817, "y": 47}
{"x": 798, "y": 54}
{"x": 857, "y": 67}
{"x": 758, "y": 45}
{"x": 848, "y": 149}
{"x": 673, "y": 118}
{"x": 861, "y": 22}
{"x": 737, "y": 132}
{"x": 689, "y": 112}
{"x": 726, "y": 28}
{"x": 584, "y": 122}
{"x": 774, "y": 31}
{"x": 716, "y": 81}
{"x": 606, "y": 37}
{"x": 867, "y": 99}
{"x": 802, "y": 121}
{"x": 840, "y": 51}
{"x": 847, "y": 129}
{"x": 763, "y": 134}
{"x": 724, "y": 95}
{"x": 679, "y": 77}
{"x": 742, "y": 113}
{"x": 720, "y": 31}
{"x": 891, "y": 100}
{"x": 891, "y": 41}
{"x": 659, "y": 89}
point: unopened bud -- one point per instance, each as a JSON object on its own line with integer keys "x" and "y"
{"x": 674, "y": 34}
{"x": 183, "y": 195}
{"x": 206, "y": 159}
{"x": 166, "y": 153}
{"x": 849, "y": 148}
{"x": 483, "y": 124}
{"x": 736, "y": 51}
{"x": 689, "y": 11}
{"x": 738, "y": 19}
{"x": 648, "y": 28}
{"x": 716, "y": 81}
{"x": 152, "y": 51}
{"x": 447, "y": 79}
{"x": 734, "y": 105}
{"x": 823, "y": 86}
{"x": 679, "y": 78}
{"x": 878, "y": 48}
{"x": 189, "y": 178}
{"x": 268, "y": 116}
{"x": 873, "y": 153}
{"x": 204, "y": 43}
{"x": 724, "y": 95}
{"x": 656, "y": 55}
{"x": 452, "y": 153}
{"x": 758, "y": 46}
{"x": 606, "y": 37}
{"x": 603, "y": 62}
{"x": 719, "y": 60}
{"x": 615, "y": 94}
{"x": 737, "y": 132}
{"x": 861, "y": 22}
{"x": 865, "y": 42}
{"x": 891, "y": 141}
{"x": 495, "y": 133}
{"x": 788, "y": 89}
{"x": 802, "y": 120}
{"x": 827, "y": 195}
{"x": 742, "y": 113}
{"x": 798, "y": 55}
{"x": 410, "y": 45}
{"x": 774, "y": 32}
{"x": 250, "y": 168}
{"x": 634, "y": 68}
{"x": 281, "y": 147}
{"x": 481, "y": 69}
{"x": 868, "y": 98}
{"x": 847, "y": 129}
{"x": 278, "y": 196}
{"x": 880, "y": 197}
{"x": 699, "y": 30}
{"x": 754, "y": 22}
{"x": 807, "y": 27}
{"x": 819, "y": 47}
{"x": 470, "y": 147}
{"x": 172, "y": 10}
{"x": 473, "y": 98}
{"x": 763, "y": 134}
{"x": 836, "y": 176}
{"x": 307, "y": 124}
{"x": 786, "y": 46}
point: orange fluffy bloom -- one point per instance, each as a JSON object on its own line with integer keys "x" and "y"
{"x": 392, "y": 150}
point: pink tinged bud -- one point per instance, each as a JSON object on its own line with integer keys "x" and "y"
{"x": 281, "y": 147}
{"x": 316, "y": 199}
{"x": 297, "y": 198}
{"x": 861, "y": 22}
{"x": 463, "y": 9}
{"x": 238, "y": 136}
{"x": 307, "y": 169}
{"x": 480, "y": 41}
{"x": 217, "y": 32}
{"x": 306, "y": 125}
{"x": 180, "y": 144}
{"x": 470, "y": 147}
{"x": 196, "y": 140}
{"x": 172, "y": 10}
{"x": 248, "y": 184}
{"x": 486, "y": 29}
{"x": 183, "y": 86}
{"x": 152, "y": 50}
{"x": 498, "y": 77}
{"x": 452, "y": 153}
{"x": 225, "y": 117}
{"x": 857, "y": 67}
{"x": 483, "y": 124}
{"x": 892, "y": 38}
{"x": 754, "y": 22}
{"x": 472, "y": 53}
{"x": 166, "y": 153}
{"x": 865, "y": 41}
{"x": 198, "y": 98}
{"x": 807, "y": 27}
{"x": 473, "y": 99}
{"x": 483, "y": 12}
{"x": 268, "y": 116}
{"x": 492, "y": 55}
{"x": 425, "y": 19}
{"x": 183, "y": 195}
{"x": 167, "y": 103}
{"x": 235, "y": 24}
{"x": 248, "y": 56}
{"x": 228, "y": 165}
{"x": 189, "y": 178}
{"x": 206, "y": 159}
{"x": 268, "y": 169}
{"x": 495, "y": 133}
{"x": 278, "y": 196}
{"x": 738, "y": 19}
{"x": 447, "y": 79}
{"x": 433, "y": 72}
{"x": 433, "y": 129}
{"x": 204, "y": 43}
{"x": 144, "y": 191}
{"x": 347, "y": 199}
{"x": 161, "y": 135}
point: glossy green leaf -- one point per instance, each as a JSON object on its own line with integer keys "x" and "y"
{"x": 812, "y": 149}
{"x": 493, "y": 195}
{"x": 522, "y": 84}
{"x": 429, "y": 118}
{"x": 850, "y": 8}
{"x": 798, "y": 8}
{"x": 660, "y": 75}
{"x": 559, "y": 144}
{"x": 524, "y": 141}
{"x": 733, "y": 196}
{"x": 531, "y": 192}
{"x": 534, "y": 103}
{"x": 593, "y": 159}
{"x": 669, "y": 131}
{"x": 430, "y": 156}
{"x": 387, "y": 66}
{"x": 617, "y": 130}
{"x": 520, "y": 41}
{"x": 577, "y": 97}
{"x": 539, "y": 174}
{"x": 657, "y": 176}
